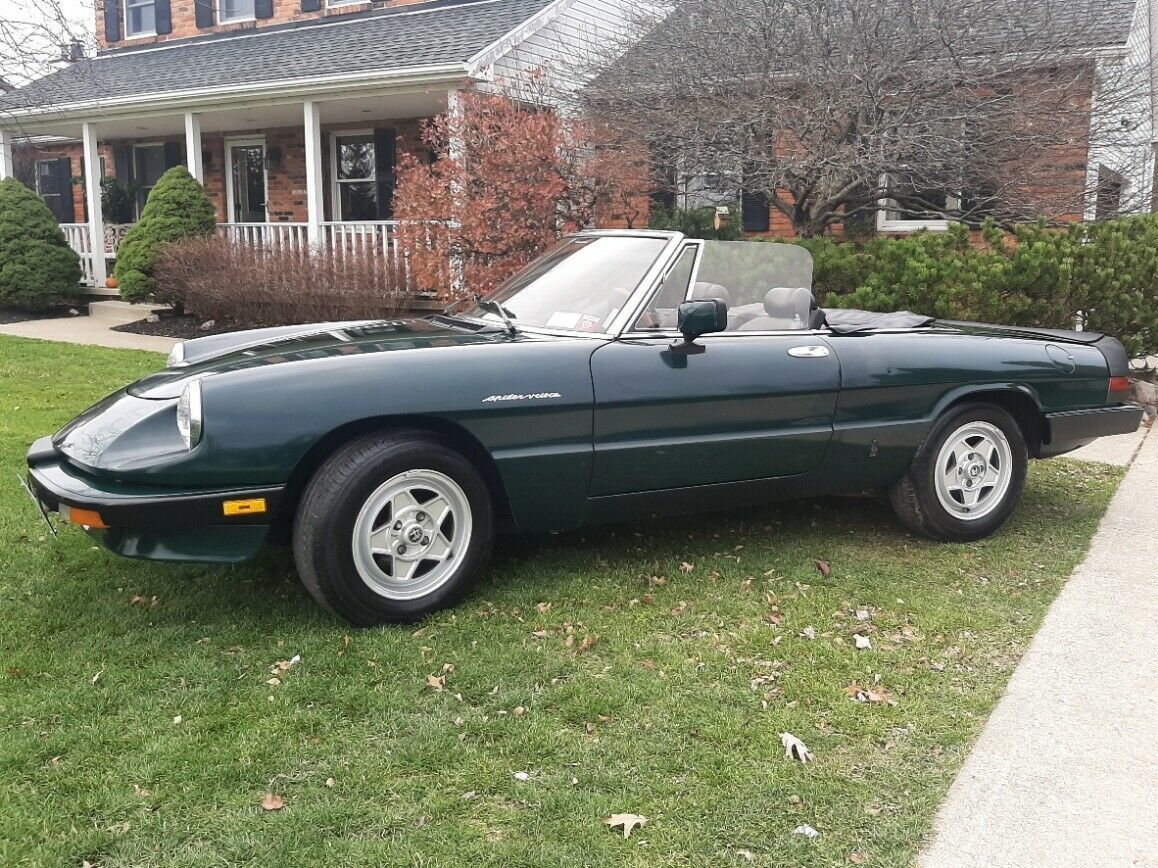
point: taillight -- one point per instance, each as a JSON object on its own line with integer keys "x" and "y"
{"x": 1119, "y": 390}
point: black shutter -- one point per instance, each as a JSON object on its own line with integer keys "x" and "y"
{"x": 263, "y": 8}
{"x": 123, "y": 163}
{"x": 63, "y": 172}
{"x": 755, "y": 210}
{"x": 174, "y": 154}
{"x": 203, "y": 13}
{"x": 311, "y": 5}
{"x": 385, "y": 145}
{"x": 112, "y": 20}
{"x": 164, "y": 15}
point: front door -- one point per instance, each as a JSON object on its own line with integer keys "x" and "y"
{"x": 756, "y": 403}
{"x": 247, "y": 182}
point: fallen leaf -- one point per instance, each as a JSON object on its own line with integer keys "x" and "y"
{"x": 436, "y": 682}
{"x": 746, "y": 855}
{"x": 522, "y": 776}
{"x": 863, "y": 614}
{"x": 794, "y": 748}
{"x": 345, "y": 645}
{"x": 680, "y": 609}
{"x": 857, "y": 858}
{"x": 863, "y": 643}
{"x": 519, "y": 711}
{"x": 808, "y": 633}
{"x": 629, "y": 822}
{"x": 543, "y": 608}
{"x": 589, "y": 642}
{"x": 177, "y": 720}
{"x": 806, "y": 830}
{"x": 646, "y": 599}
{"x": 824, "y": 567}
{"x": 272, "y": 802}
{"x": 330, "y": 783}
{"x": 96, "y": 677}
{"x": 685, "y": 567}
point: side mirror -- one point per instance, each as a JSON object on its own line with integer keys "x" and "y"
{"x": 700, "y": 317}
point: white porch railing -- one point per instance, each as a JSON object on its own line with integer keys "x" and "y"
{"x": 76, "y": 234}
{"x": 340, "y": 240}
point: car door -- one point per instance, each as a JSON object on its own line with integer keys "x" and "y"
{"x": 753, "y": 405}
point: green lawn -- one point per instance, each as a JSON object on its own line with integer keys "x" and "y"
{"x": 138, "y": 726}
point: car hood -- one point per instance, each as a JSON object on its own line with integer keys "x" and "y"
{"x": 288, "y": 345}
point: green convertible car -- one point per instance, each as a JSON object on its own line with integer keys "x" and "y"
{"x": 622, "y": 375}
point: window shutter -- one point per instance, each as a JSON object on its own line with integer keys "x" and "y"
{"x": 174, "y": 154}
{"x": 385, "y": 146}
{"x": 164, "y": 13}
{"x": 203, "y": 13}
{"x": 311, "y": 5}
{"x": 63, "y": 172}
{"x": 112, "y": 20}
{"x": 754, "y": 207}
{"x": 123, "y": 163}
{"x": 263, "y": 8}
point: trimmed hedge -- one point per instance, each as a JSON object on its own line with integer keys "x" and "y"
{"x": 37, "y": 267}
{"x": 1105, "y": 272}
{"x": 177, "y": 209}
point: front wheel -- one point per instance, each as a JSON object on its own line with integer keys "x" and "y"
{"x": 967, "y": 476}
{"x": 393, "y": 526}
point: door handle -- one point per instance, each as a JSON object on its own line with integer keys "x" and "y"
{"x": 809, "y": 352}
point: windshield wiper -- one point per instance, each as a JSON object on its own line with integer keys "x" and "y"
{"x": 506, "y": 316}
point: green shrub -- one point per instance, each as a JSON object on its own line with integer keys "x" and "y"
{"x": 177, "y": 209}
{"x": 37, "y": 267}
{"x": 1106, "y": 273}
{"x": 697, "y": 223}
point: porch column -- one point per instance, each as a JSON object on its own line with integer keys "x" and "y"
{"x": 6, "y": 167}
{"x": 193, "y": 146}
{"x": 314, "y": 202}
{"x": 92, "y": 192}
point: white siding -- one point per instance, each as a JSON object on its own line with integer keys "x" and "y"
{"x": 569, "y": 50}
{"x": 1122, "y": 132}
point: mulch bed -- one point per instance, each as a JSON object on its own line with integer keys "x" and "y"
{"x": 11, "y": 315}
{"x": 184, "y": 327}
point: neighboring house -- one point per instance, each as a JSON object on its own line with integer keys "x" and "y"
{"x": 1108, "y": 173}
{"x": 291, "y": 112}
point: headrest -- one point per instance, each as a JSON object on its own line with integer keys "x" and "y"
{"x": 710, "y": 290}
{"x": 789, "y": 302}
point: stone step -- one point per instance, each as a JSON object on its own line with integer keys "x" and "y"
{"x": 121, "y": 312}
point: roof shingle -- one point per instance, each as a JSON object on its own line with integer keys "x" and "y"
{"x": 433, "y": 34}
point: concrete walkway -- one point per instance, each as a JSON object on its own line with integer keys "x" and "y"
{"x": 1065, "y": 772}
{"x": 85, "y": 330}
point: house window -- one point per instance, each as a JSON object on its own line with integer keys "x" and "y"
{"x": 140, "y": 18}
{"x": 235, "y": 10}
{"x": 1108, "y": 204}
{"x": 909, "y": 206}
{"x": 355, "y": 178}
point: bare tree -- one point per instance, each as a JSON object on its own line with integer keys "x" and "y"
{"x": 37, "y": 36}
{"x": 826, "y": 108}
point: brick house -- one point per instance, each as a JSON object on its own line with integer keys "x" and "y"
{"x": 1106, "y": 170}
{"x": 291, "y": 112}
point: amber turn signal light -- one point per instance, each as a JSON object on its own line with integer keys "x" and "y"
{"x": 255, "y": 506}
{"x": 86, "y": 517}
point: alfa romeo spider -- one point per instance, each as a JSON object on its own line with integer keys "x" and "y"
{"x": 623, "y": 375}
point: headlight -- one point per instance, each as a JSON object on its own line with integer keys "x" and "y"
{"x": 189, "y": 414}
{"x": 176, "y": 355}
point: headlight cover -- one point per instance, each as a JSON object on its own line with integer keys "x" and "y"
{"x": 176, "y": 355}
{"x": 189, "y": 414}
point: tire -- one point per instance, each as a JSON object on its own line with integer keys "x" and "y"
{"x": 967, "y": 476}
{"x": 393, "y": 526}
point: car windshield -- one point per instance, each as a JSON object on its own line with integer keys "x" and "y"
{"x": 578, "y": 285}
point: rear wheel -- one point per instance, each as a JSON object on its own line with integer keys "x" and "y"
{"x": 393, "y": 526}
{"x": 966, "y": 478}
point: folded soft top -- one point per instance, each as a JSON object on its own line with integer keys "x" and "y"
{"x": 848, "y": 320}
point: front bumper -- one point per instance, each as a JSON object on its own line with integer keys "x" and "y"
{"x": 156, "y": 522}
{"x": 1071, "y": 429}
